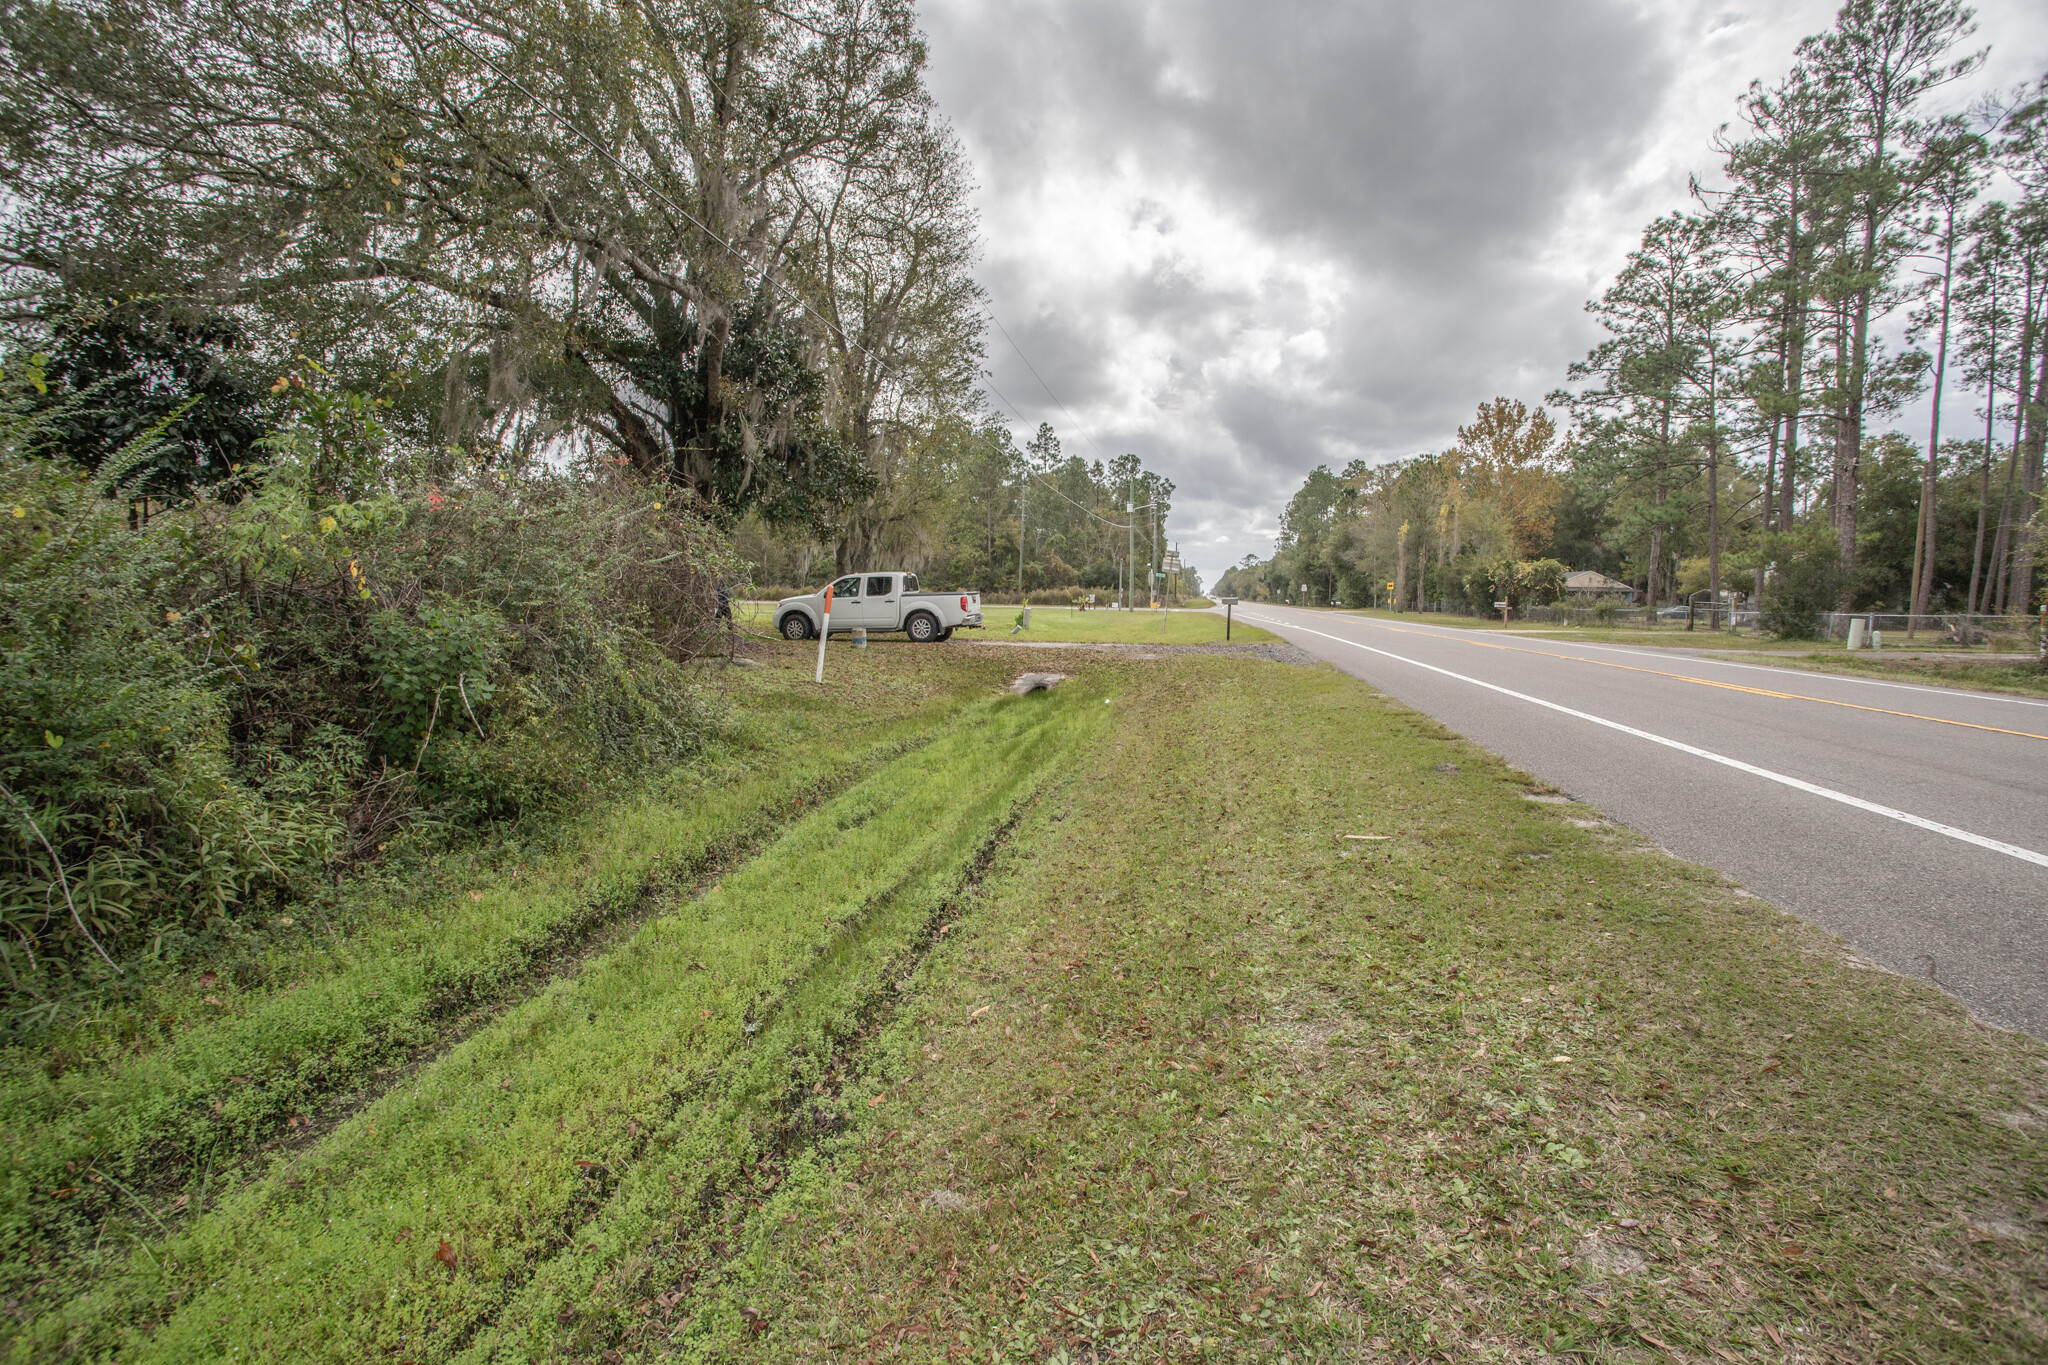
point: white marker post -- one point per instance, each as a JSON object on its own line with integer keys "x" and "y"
{"x": 824, "y": 632}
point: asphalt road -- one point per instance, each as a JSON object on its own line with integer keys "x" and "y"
{"x": 1911, "y": 820}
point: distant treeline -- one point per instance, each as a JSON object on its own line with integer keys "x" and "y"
{"x": 1722, "y": 438}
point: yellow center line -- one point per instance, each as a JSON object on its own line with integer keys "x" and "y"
{"x": 1706, "y": 682}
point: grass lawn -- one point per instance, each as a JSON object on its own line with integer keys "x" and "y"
{"x": 1983, "y": 672}
{"x": 1077, "y": 1029}
{"x": 1070, "y": 625}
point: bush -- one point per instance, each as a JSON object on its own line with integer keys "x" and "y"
{"x": 1543, "y": 581}
{"x": 122, "y": 807}
{"x": 1805, "y": 581}
{"x": 215, "y": 706}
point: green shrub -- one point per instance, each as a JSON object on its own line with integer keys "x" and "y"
{"x": 1804, "y": 581}
{"x": 1543, "y": 581}
{"x": 215, "y": 706}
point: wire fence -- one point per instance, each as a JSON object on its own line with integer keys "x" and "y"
{"x": 1998, "y": 634}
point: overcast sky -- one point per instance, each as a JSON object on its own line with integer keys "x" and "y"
{"x": 1244, "y": 239}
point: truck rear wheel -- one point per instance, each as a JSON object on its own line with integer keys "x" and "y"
{"x": 796, "y": 626}
{"x": 922, "y": 627}
{"x": 945, "y": 635}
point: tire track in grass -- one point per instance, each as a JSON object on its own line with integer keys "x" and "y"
{"x": 676, "y": 1219}
{"x": 125, "y": 1138}
{"x": 419, "y": 1218}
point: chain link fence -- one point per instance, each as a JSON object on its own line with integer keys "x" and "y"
{"x": 1998, "y": 634}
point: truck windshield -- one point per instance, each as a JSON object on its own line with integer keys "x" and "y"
{"x": 910, "y": 582}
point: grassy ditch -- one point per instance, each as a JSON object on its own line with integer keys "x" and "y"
{"x": 1084, "y": 1032}
{"x": 1199, "y": 1078}
{"x": 131, "y": 1117}
{"x": 463, "y": 1193}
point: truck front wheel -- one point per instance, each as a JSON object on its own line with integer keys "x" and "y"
{"x": 922, "y": 627}
{"x": 796, "y": 626}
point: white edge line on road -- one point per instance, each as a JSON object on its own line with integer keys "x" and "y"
{"x": 1670, "y": 654}
{"x": 1782, "y": 671}
{"x": 2025, "y": 855}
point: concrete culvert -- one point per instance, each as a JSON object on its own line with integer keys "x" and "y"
{"x": 1032, "y": 682}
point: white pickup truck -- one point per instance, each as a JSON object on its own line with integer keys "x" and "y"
{"x": 880, "y": 602}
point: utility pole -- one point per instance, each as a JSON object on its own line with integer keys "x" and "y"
{"x": 1131, "y": 541}
{"x": 1023, "y": 496}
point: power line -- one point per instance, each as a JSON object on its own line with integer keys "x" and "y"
{"x": 989, "y": 384}
{"x": 1079, "y": 429}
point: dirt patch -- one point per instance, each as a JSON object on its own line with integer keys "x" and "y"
{"x": 1608, "y": 1260}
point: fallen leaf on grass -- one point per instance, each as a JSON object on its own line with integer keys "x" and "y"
{"x": 207, "y": 979}
{"x": 1662, "y": 1346}
{"x": 476, "y": 895}
{"x": 874, "y": 1100}
{"x": 1772, "y": 1067}
{"x": 404, "y": 1235}
{"x": 214, "y": 1001}
{"x": 445, "y": 1254}
{"x": 983, "y": 1010}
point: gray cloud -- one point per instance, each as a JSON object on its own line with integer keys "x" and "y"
{"x": 1242, "y": 240}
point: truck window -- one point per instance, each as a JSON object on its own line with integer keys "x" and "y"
{"x": 878, "y": 586}
{"x": 848, "y": 586}
{"x": 910, "y": 582}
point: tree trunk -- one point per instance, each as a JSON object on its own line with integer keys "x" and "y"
{"x": 2003, "y": 542}
{"x": 1842, "y": 510}
{"x": 1984, "y": 497}
{"x": 2020, "y": 595}
{"x": 1401, "y": 568}
{"x": 1795, "y": 365}
{"x": 1713, "y": 477}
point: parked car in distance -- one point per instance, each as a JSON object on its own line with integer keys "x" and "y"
{"x": 880, "y": 602}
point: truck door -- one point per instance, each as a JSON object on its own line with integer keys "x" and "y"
{"x": 846, "y": 604}
{"x": 881, "y": 605}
